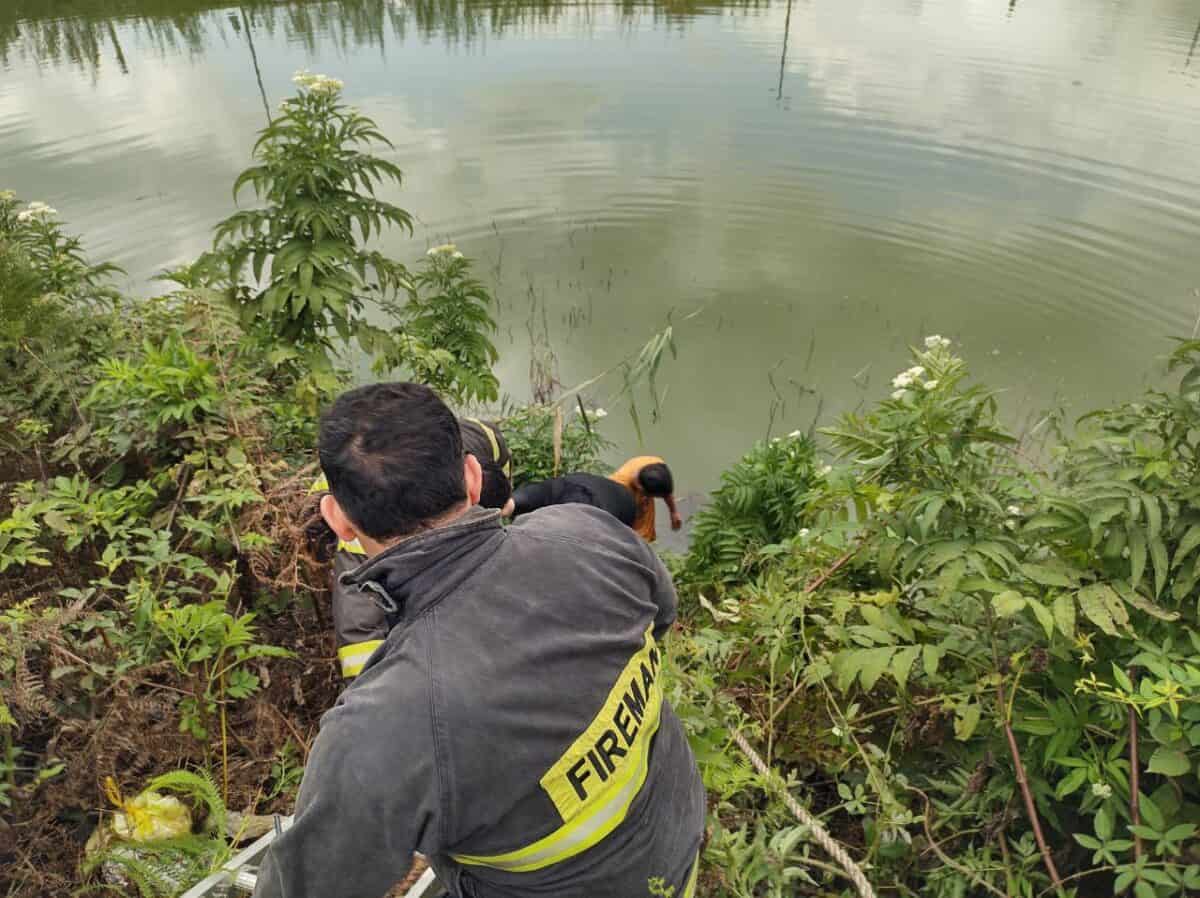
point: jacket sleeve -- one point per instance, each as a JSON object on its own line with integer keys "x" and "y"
{"x": 664, "y": 595}
{"x": 359, "y": 624}
{"x": 533, "y": 496}
{"x": 369, "y": 797}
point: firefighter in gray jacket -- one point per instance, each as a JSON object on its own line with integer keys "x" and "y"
{"x": 513, "y": 727}
{"x": 359, "y": 624}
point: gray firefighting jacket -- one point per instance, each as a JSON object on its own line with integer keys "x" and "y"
{"x": 512, "y": 727}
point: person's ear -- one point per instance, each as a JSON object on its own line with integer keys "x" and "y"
{"x": 473, "y": 475}
{"x": 337, "y": 520}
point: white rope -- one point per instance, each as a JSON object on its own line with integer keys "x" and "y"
{"x": 819, "y": 833}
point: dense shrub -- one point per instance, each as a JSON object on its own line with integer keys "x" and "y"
{"x": 762, "y": 501}
{"x": 955, "y": 632}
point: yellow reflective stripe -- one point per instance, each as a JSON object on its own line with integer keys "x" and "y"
{"x": 572, "y": 839}
{"x": 320, "y": 485}
{"x": 354, "y": 548}
{"x": 635, "y": 700}
{"x": 491, "y": 435}
{"x": 355, "y": 655}
{"x": 690, "y": 889}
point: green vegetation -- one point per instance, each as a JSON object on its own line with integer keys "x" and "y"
{"x": 151, "y": 620}
{"x": 938, "y": 634}
{"x": 976, "y": 664}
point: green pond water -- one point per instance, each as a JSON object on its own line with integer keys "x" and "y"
{"x": 824, "y": 181}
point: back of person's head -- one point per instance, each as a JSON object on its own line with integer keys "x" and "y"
{"x": 484, "y": 440}
{"x": 656, "y": 480}
{"x": 393, "y": 456}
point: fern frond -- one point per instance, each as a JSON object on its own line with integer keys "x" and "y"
{"x": 198, "y": 786}
{"x": 157, "y": 869}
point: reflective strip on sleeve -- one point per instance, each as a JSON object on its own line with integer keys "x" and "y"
{"x": 690, "y": 889}
{"x": 596, "y": 780}
{"x": 320, "y": 485}
{"x": 355, "y": 655}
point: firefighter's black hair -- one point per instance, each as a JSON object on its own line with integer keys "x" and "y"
{"x": 393, "y": 456}
{"x": 484, "y": 440}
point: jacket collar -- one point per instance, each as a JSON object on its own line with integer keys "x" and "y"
{"x": 419, "y": 571}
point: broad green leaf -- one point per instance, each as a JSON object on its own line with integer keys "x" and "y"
{"x": 1150, "y": 812}
{"x": 1064, "y": 614}
{"x": 1104, "y": 823}
{"x": 966, "y": 720}
{"x": 56, "y": 520}
{"x": 874, "y": 663}
{"x": 942, "y": 552}
{"x": 1008, "y": 603}
{"x": 902, "y": 663}
{"x": 1087, "y": 841}
{"x": 929, "y": 517}
{"x": 1044, "y": 616}
{"x": 1137, "y": 555}
{"x": 1158, "y": 560}
{"x": 1190, "y": 540}
{"x": 1153, "y": 518}
{"x": 1169, "y": 762}
{"x": 996, "y": 553}
{"x": 1071, "y": 782}
{"x": 1141, "y": 603}
{"x": 931, "y": 656}
{"x": 1093, "y": 602}
{"x": 1180, "y": 831}
{"x": 866, "y": 665}
{"x": 1116, "y": 608}
{"x": 1047, "y": 576}
{"x": 1122, "y": 679}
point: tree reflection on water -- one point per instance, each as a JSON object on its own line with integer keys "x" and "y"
{"x": 85, "y": 32}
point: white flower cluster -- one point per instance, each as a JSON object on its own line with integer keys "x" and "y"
{"x": 446, "y": 249}
{"x": 824, "y": 470}
{"x": 911, "y": 378}
{"x": 317, "y": 84}
{"x": 936, "y": 341}
{"x": 1102, "y": 790}
{"x": 36, "y": 210}
{"x": 599, "y": 413}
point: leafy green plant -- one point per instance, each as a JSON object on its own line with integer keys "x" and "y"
{"x": 443, "y": 335}
{"x": 762, "y": 501}
{"x": 983, "y": 653}
{"x": 213, "y": 649}
{"x": 19, "y": 540}
{"x": 286, "y": 772}
{"x": 304, "y": 249}
{"x": 530, "y": 434}
{"x": 55, "y": 308}
{"x": 142, "y": 403}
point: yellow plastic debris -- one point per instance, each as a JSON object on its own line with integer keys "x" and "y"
{"x": 150, "y": 817}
